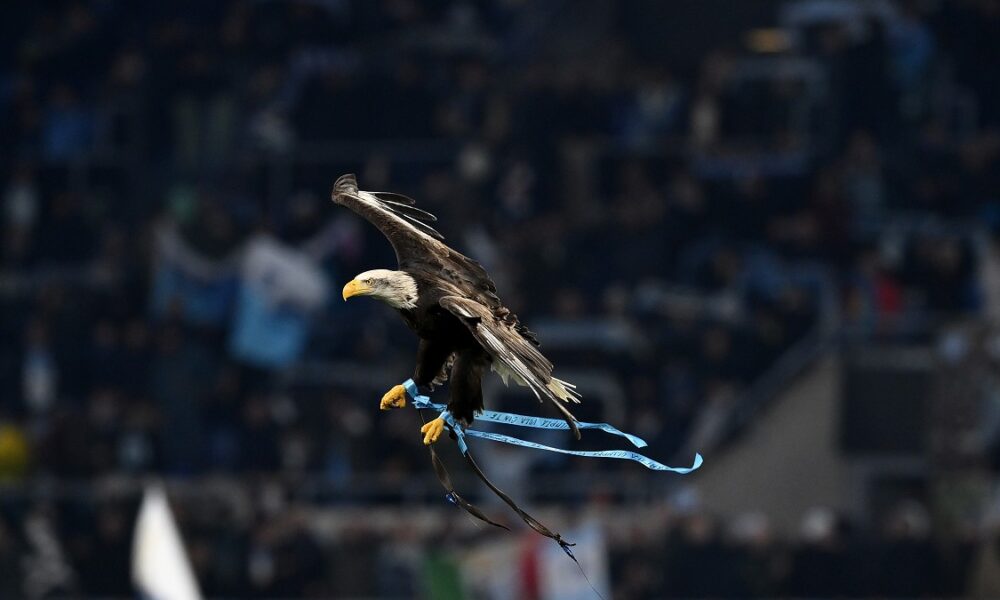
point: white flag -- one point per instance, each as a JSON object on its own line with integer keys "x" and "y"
{"x": 160, "y": 568}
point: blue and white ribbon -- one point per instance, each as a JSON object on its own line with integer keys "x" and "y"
{"x": 421, "y": 401}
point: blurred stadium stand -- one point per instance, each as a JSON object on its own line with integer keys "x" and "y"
{"x": 765, "y": 231}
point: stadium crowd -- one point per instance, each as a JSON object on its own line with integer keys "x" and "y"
{"x": 685, "y": 205}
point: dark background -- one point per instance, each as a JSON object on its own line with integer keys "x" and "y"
{"x": 690, "y": 201}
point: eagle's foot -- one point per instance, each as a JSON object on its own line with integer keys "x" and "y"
{"x": 432, "y": 430}
{"x": 394, "y": 398}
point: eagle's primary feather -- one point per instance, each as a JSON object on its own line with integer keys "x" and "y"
{"x": 463, "y": 326}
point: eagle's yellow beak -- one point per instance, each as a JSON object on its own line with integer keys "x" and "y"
{"x": 356, "y": 288}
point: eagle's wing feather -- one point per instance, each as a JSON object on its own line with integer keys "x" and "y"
{"x": 394, "y": 197}
{"x": 513, "y": 354}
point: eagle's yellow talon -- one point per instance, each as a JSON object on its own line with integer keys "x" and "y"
{"x": 394, "y": 398}
{"x": 432, "y": 430}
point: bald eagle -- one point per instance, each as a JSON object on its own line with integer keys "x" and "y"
{"x": 451, "y": 303}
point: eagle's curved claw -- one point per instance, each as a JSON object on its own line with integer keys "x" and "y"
{"x": 432, "y": 430}
{"x": 394, "y": 398}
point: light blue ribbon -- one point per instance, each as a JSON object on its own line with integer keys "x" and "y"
{"x": 421, "y": 401}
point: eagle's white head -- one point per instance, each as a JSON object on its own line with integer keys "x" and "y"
{"x": 395, "y": 288}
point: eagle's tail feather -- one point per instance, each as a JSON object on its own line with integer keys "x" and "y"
{"x": 561, "y": 389}
{"x": 564, "y": 390}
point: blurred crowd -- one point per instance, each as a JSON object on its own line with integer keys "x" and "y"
{"x": 266, "y": 545}
{"x": 680, "y": 224}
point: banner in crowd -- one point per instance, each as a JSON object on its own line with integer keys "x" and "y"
{"x": 202, "y": 291}
{"x": 280, "y": 288}
{"x": 265, "y": 293}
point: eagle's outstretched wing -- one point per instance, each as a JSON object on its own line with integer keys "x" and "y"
{"x": 407, "y": 227}
{"x": 513, "y": 354}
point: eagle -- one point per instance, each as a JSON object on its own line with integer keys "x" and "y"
{"x": 451, "y": 303}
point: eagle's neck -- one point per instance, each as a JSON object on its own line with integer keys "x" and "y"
{"x": 400, "y": 291}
